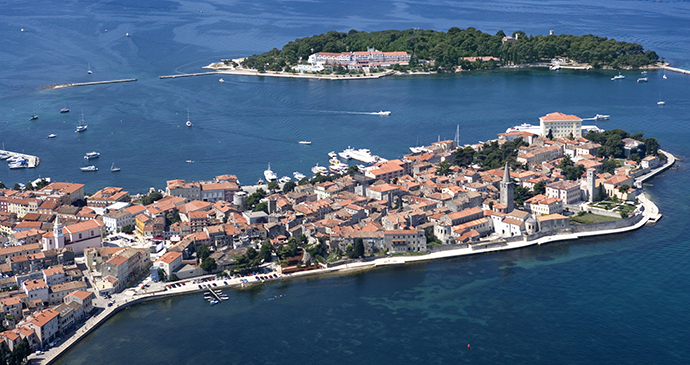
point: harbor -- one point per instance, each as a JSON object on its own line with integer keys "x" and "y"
{"x": 18, "y": 160}
{"x": 62, "y": 86}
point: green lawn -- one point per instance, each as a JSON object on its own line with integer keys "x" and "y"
{"x": 592, "y": 218}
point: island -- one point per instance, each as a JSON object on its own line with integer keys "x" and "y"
{"x": 375, "y": 54}
{"x": 72, "y": 260}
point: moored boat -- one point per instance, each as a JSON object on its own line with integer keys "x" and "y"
{"x": 269, "y": 174}
{"x": 305, "y": 142}
{"x": 52, "y": 135}
{"x": 642, "y": 79}
{"x": 34, "y": 117}
{"x": 91, "y": 155}
{"x": 90, "y": 168}
{"x": 298, "y": 175}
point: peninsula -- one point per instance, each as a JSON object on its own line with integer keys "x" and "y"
{"x": 73, "y": 259}
{"x": 416, "y": 50}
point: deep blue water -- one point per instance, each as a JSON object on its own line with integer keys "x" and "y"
{"x": 616, "y": 299}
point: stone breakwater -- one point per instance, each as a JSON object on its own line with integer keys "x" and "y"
{"x": 649, "y": 214}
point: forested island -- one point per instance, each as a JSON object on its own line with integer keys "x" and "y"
{"x": 459, "y": 49}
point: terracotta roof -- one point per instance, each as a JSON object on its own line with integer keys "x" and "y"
{"x": 559, "y": 117}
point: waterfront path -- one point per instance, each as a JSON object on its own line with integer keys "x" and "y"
{"x": 134, "y": 296}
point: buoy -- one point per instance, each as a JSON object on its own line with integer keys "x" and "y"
{"x": 468, "y": 346}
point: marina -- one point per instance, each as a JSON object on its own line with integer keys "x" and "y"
{"x": 29, "y": 161}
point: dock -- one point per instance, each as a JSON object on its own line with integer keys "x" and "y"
{"x": 62, "y": 86}
{"x": 33, "y": 161}
{"x": 187, "y": 75}
{"x": 675, "y": 69}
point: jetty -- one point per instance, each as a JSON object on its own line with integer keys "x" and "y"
{"x": 676, "y": 69}
{"x": 61, "y": 86}
{"x": 32, "y": 161}
{"x": 187, "y": 75}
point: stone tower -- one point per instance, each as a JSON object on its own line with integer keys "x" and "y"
{"x": 507, "y": 191}
{"x": 591, "y": 184}
{"x": 58, "y": 240}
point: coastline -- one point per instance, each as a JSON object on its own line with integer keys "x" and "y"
{"x": 650, "y": 214}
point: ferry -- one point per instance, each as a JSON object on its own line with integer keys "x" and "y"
{"x": 298, "y": 175}
{"x": 91, "y": 155}
{"x": 269, "y": 174}
{"x": 91, "y": 168}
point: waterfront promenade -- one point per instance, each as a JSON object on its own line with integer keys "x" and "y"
{"x": 650, "y": 213}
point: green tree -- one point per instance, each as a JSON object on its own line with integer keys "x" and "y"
{"x": 610, "y": 165}
{"x": 549, "y": 135}
{"x": 2, "y": 185}
{"x": 209, "y": 265}
{"x": 266, "y": 250}
{"x": 358, "y": 250}
{"x": 464, "y": 156}
{"x": 16, "y": 187}
{"x": 522, "y": 194}
{"x": 443, "y": 168}
{"x": 151, "y": 198}
{"x": 623, "y": 188}
{"x": 202, "y": 252}
{"x": 261, "y": 207}
{"x": 539, "y": 188}
{"x": 651, "y": 146}
{"x": 349, "y": 252}
{"x": 174, "y": 277}
{"x": 303, "y": 181}
{"x": 255, "y": 197}
{"x": 29, "y": 186}
{"x": 289, "y": 186}
{"x": 127, "y": 229}
{"x": 272, "y": 185}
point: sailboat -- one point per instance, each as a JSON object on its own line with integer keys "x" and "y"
{"x": 188, "y": 124}
{"x": 65, "y": 109}
{"x": 661, "y": 102}
{"x": 113, "y": 168}
{"x": 89, "y": 71}
{"x": 81, "y": 127}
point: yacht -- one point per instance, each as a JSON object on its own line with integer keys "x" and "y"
{"x": 601, "y": 117}
{"x": 340, "y": 168}
{"x": 319, "y": 170}
{"x": 643, "y": 72}
{"x": 269, "y": 174}
{"x": 382, "y": 113}
{"x": 64, "y": 110}
{"x": 642, "y": 79}
{"x": 298, "y": 175}
{"x": 34, "y": 117}
{"x": 661, "y": 103}
{"x": 52, "y": 135}
{"x": 91, "y": 155}
{"x": 90, "y": 168}
{"x": 81, "y": 127}
{"x": 305, "y": 142}
{"x": 18, "y": 163}
{"x": 417, "y": 149}
{"x": 347, "y": 153}
{"x": 334, "y": 161}
{"x": 284, "y": 179}
{"x": 190, "y": 161}
{"x": 113, "y": 168}
{"x": 332, "y": 154}
{"x": 618, "y": 77}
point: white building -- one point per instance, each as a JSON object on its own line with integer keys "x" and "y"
{"x": 169, "y": 262}
{"x": 560, "y": 125}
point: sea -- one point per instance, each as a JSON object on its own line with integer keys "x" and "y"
{"x": 614, "y": 299}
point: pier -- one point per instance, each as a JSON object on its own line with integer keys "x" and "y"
{"x": 61, "y": 86}
{"x": 675, "y": 69}
{"x": 187, "y": 75}
{"x": 32, "y": 161}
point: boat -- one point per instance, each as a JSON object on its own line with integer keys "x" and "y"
{"x": 661, "y": 103}
{"x": 90, "y": 168}
{"x": 214, "y": 302}
{"x": 18, "y": 164}
{"x": 260, "y": 181}
{"x": 665, "y": 77}
{"x": 332, "y": 154}
{"x": 52, "y": 135}
{"x": 305, "y": 142}
{"x": 601, "y": 117}
{"x": 65, "y": 109}
{"x": 643, "y": 72}
{"x": 642, "y": 79}
{"x": 221, "y": 80}
{"x": 34, "y": 117}
{"x": 269, "y": 174}
{"x": 127, "y": 34}
{"x": 382, "y": 113}
{"x": 554, "y": 67}
{"x": 189, "y": 123}
{"x": 113, "y": 168}
{"x": 284, "y": 179}
{"x": 298, "y": 176}
{"x": 334, "y": 161}
{"x": 319, "y": 170}
{"x": 190, "y": 161}
{"x": 347, "y": 153}
{"x": 91, "y": 155}
{"x": 81, "y": 127}
{"x": 618, "y": 77}
{"x": 89, "y": 71}
{"x": 417, "y": 149}
{"x": 340, "y": 168}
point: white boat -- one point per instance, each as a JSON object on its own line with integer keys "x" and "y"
{"x": 305, "y": 142}
{"x": 190, "y": 161}
{"x": 89, "y": 71}
{"x": 618, "y": 77}
{"x": 524, "y": 127}
{"x": 382, "y": 113}
{"x": 65, "y": 109}
{"x": 665, "y": 77}
{"x": 284, "y": 179}
{"x": 18, "y": 163}
{"x": 52, "y": 135}
{"x": 642, "y": 79}
{"x": 554, "y": 67}
{"x": 269, "y": 174}
{"x": 221, "y": 80}
{"x": 319, "y": 170}
{"x": 298, "y": 175}
{"x": 81, "y": 127}
{"x": 364, "y": 155}
{"x": 601, "y": 117}
{"x": 113, "y": 168}
{"x": 340, "y": 168}
{"x": 417, "y": 149}
{"x": 91, "y": 168}
{"x": 332, "y": 154}
{"x": 189, "y": 123}
{"x": 34, "y": 117}
{"x": 334, "y": 161}
{"x": 643, "y": 72}
{"x": 661, "y": 103}
{"x": 347, "y": 153}
{"x": 91, "y": 155}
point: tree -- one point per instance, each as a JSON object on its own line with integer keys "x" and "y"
{"x": 2, "y": 185}
{"x": 261, "y": 207}
{"x": 29, "y": 186}
{"x": 349, "y": 251}
{"x": 550, "y": 134}
{"x": 151, "y": 198}
{"x": 443, "y": 168}
{"x": 623, "y": 188}
{"x": 358, "y": 250}
{"x": 202, "y": 252}
{"x": 272, "y": 185}
{"x": 610, "y": 165}
{"x": 174, "y": 277}
{"x": 464, "y": 156}
{"x": 601, "y": 195}
{"x": 539, "y": 188}
{"x": 289, "y": 186}
{"x": 255, "y": 197}
{"x": 42, "y": 184}
{"x": 522, "y": 194}
{"x": 17, "y": 187}
{"x": 651, "y": 146}
{"x": 127, "y": 229}
{"x": 209, "y": 265}
{"x": 303, "y": 181}
{"x": 265, "y": 251}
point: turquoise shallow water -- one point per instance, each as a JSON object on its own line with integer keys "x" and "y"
{"x": 618, "y": 299}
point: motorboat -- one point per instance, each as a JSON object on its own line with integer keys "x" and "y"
{"x": 221, "y": 80}
{"x": 660, "y": 103}
{"x": 305, "y": 142}
{"x": 190, "y": 161}
{"x": 601, "y": 117}
{"x": 340, "y": 168}
{"x": 642, "y": 79}
{"x": 91, "y": 155}
{"x": 417, "y": 149}
{"x": 90, "y": 168}
{"x": 334, "y": 161}
{"x": 382, "y": 113}
{"x": 189, "y": 123}
{"x": 34, "y": 117}
{"x": 113, "y": 168}
{"x": 347, "y": 153}
{"x": 332, "y": 154}
{"x": 269, "y": 174}
{"x": 643, "y": 72}
{"x": 260, "y": 181}
{"x": 319, "y": 170}
{"x": 284, "y": 179}
{"x": 52, "y": 135}
{"x": 20, "y": 163}
{"x": 298, "y": 176}
{"x": 89, "y": 71}
{"x": 618, "y": 77}
{"x": 554, "y": 67}
{"x": 64, "y": 110}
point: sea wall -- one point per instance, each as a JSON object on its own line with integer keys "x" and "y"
{"x": 590, "y": 227}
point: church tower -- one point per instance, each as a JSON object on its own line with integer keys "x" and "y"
{"x": 507, "y": 190}
{"x": 591, "y": 184}
{"x": 58, "y": 236}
